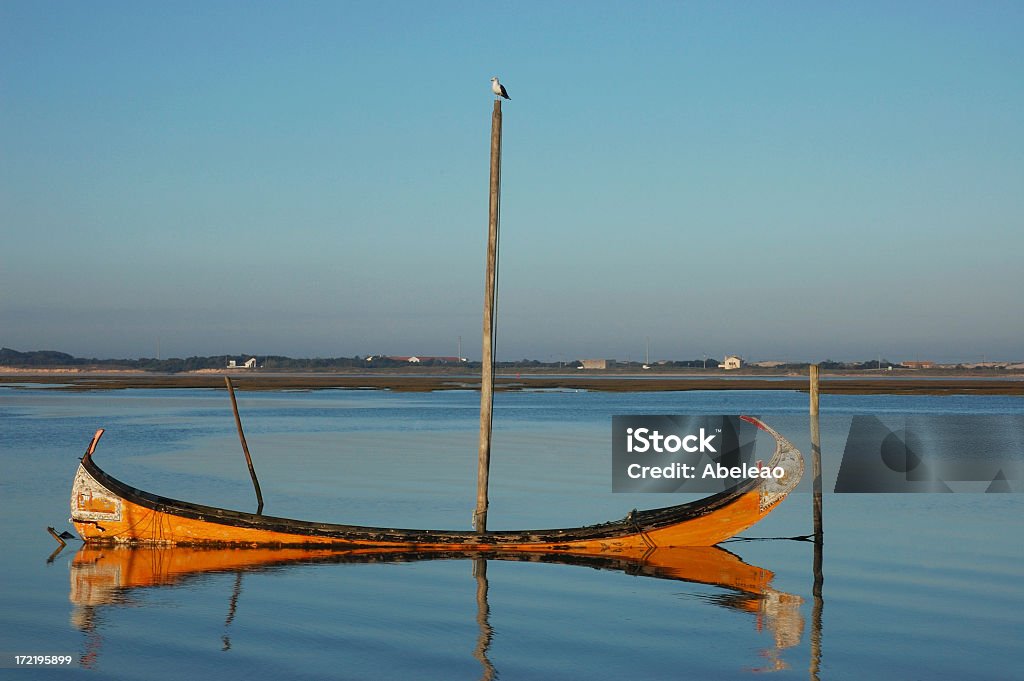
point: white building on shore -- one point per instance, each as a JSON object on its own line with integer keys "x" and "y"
{"x": 731, "y": 362}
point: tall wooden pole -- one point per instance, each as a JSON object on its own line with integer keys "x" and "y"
{"x": 490, "y": 303}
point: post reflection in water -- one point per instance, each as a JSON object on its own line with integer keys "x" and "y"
{"x": 232, "y": 609}
{"x": 483, "y": 619}
{"x": 819, "y": 605}
{"x": 103, "y": 579}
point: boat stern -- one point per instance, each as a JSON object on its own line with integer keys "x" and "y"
{"x": 93, "y": 507}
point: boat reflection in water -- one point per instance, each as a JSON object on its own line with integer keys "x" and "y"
{"x": 103, "y": 577}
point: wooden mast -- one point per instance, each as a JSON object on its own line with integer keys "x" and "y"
{"x": 490, "y": 303}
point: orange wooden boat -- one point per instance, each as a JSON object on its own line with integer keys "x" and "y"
{"x": 106, "y": 510}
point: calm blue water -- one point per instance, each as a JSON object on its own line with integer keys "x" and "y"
{"x": 915, "y": 586}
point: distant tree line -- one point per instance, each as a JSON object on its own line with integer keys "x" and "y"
{"x": 54, "y": 359}
{"x": 858, "y": 366}
{"x": 38, "y": 358}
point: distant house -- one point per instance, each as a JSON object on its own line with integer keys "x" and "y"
{"x": 597, "y": 363}
{"x": 923, "y": 364}
{"x": 249, "y": 364}
{"x": 731, "y": 362}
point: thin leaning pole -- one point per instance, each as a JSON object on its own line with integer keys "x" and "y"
{"x": 245, "y": 447}
{"x": 490, "y": 304}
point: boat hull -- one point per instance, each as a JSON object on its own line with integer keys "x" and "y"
{"x": 106, "y": 510}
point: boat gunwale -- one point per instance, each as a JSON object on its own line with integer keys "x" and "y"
{"x": 634, "y": 522}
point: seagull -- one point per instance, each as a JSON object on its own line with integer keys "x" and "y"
{"x": 498, "y": 89}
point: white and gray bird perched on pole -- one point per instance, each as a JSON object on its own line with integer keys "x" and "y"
{"x": 498, "y": 89}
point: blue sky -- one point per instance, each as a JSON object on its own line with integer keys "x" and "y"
{"x": 780, "y": 180}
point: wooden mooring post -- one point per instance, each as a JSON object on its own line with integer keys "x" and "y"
{"x": 816, "y": 453}
{"x": 483, "y": 620}
{"x": 490, "y": 305}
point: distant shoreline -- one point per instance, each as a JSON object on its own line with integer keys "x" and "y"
{"x": 916, "y": 383}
